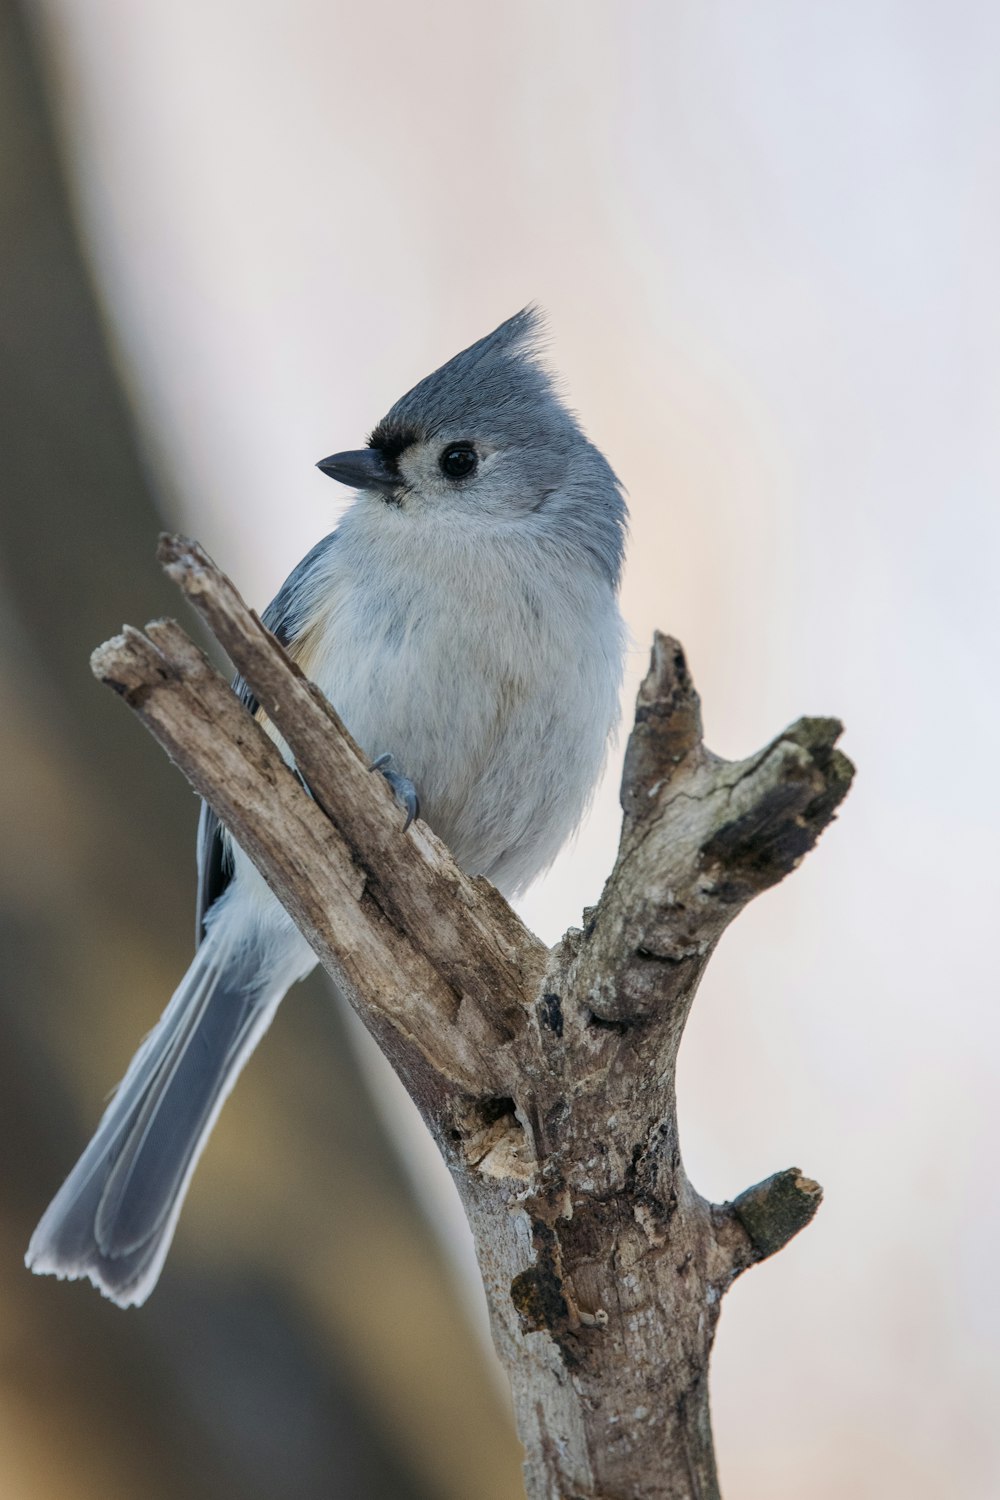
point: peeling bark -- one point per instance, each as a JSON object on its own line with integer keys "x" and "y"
{"x": 547, "y": 1079}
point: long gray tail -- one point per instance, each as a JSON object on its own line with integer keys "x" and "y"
{"x": 114, "y": 1216}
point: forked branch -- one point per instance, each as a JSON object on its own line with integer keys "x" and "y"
{"x": 546, "y": 1078}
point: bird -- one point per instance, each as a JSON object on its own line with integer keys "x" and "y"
{"x": 463, "y": 619}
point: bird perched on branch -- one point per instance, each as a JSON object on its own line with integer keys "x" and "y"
{"x": 463, "y": 621}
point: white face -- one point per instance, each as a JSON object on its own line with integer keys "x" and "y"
{"x": 470, "y": 476}
{"x": 459, "y": 473}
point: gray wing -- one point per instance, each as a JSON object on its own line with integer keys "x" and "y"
{"x": 282, "y": 619}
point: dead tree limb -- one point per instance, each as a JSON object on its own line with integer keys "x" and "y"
{"x": 546, "y": 1078}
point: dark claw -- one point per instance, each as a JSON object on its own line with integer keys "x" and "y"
{"x": 403, "y": 789}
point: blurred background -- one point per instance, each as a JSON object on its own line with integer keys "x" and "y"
{"x": 767, "y": 239}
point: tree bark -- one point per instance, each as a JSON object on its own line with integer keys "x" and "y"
{"x": 546, "y": 1078}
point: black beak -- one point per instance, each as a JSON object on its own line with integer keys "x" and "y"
{"x": 365, "y": 469}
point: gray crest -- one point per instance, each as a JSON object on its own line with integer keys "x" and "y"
{"x": 496, "y": 388}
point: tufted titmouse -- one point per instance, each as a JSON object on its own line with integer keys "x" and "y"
{"x": 463, "y": 620}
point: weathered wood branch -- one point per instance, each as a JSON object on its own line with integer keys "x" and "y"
{"x": 547, "y": 1079}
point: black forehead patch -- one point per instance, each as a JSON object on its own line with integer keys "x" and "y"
{"x": 392, "y": 438}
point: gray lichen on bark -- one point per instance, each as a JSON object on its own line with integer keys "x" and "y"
{"x": 547, "y": 1079}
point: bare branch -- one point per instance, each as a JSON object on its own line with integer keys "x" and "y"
{"x": 667, "y": 726}
{"x": 702, "y": 836}
{"x": 548, "y": 1080}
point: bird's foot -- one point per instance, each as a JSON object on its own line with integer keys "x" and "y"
{"x": 403, "y": 789}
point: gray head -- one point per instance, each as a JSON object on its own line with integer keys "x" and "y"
{"x": 487, "y": 438}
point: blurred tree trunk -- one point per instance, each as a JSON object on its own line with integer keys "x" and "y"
{"x": 262, "y": 1366}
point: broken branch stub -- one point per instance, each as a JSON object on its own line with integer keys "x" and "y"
{"x": 547, "y": 1079}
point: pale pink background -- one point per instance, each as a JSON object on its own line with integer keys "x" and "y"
{"x": 768, "y": 240}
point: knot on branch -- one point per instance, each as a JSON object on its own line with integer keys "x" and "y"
{"x": 773, "y": 1211}
{"x": 491, "y": 1138}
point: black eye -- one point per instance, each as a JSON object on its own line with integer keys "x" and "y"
{"x": 458, "y": 461}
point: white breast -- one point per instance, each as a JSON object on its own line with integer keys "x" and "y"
{"x": 488, "y": 663}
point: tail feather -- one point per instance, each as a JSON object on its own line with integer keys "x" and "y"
{"x": 114, "y": 1217}
{"x": 169, "y": 1117}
